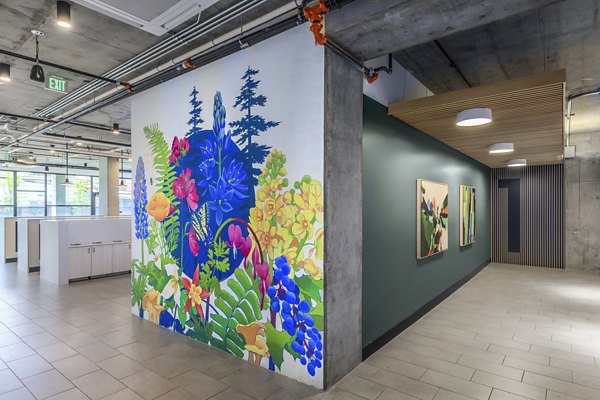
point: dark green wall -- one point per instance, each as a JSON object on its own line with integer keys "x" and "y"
{"x": 395, "y": 283}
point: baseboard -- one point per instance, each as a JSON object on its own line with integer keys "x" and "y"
{"x": 10, "y": 260}
{"x": 34, "y": 269}
{"x": 414, "y": 317}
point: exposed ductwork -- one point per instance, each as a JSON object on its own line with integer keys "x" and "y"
{"x": 155, "y": 52}
{"x": 151, "y": 78}
{"x": 255, "y": 31}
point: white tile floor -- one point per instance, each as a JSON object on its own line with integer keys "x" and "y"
{"x": 511, "y": 333}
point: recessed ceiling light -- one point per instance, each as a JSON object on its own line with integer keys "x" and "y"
{"x": 498, "y": 148}
{"x": 518, "y": 162}
{"x": 5, "y": 72}
{"x": 474, "y": 117}
{"x": 63, "y": 14}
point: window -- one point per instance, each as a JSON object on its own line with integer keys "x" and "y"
{"x": 7, "y": 201}
{"x": 74, "y": 199}
{"x": 31, "y": 194}
{"x": 41, "y": 194}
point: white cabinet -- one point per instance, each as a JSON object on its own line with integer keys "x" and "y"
{"x": 80, "y": 262}
{"x": 102, "y": 259}
{"x": 121, "y": 257}
{"x": 99, "y": 259}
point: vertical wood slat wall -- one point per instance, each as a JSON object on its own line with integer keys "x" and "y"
{"x": 542, "y": 216}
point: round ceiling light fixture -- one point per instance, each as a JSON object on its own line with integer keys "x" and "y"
{"x": 499, "y": 148}
{"x": 63, "y": 14}
{"x": 518, "y": 162}
{"x": 5, "y": 72}
{"x": 474, "y": 117}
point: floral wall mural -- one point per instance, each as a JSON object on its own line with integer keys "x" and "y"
{"x": 229, "y": 208}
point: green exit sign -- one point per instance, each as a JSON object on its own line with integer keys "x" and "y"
{"x": 56, "y": 83}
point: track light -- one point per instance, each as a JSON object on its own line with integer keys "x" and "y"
{"x": 115, "y": 129}
{"x": 5, "y": 72}
{"x": 46, "y": 169}
{"x": 37, "y": 72}
{"x": 63, "y": 14}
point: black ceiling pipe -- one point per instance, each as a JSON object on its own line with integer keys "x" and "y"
{"x": 59, "y": 66}
{"x": 107, "y": 143}
{"x": 74, "y": 123}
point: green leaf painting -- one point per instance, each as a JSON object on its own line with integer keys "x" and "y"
{"x": 467, "y": 215}
{"x": 432, "y": 218}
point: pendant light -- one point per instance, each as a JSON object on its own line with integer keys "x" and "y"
{"x": 63, "y": 14}
{"x": 474, "y": 117}
{"x": 37, "y": 72}
{"x": 4, "y": 72}
{"x": 67, "y": 182}
{"x": 122, "y": 184}
{"x": 115, "y": 129}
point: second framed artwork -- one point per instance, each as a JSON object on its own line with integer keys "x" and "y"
{"x": 467, "y": 215}
{"x": 432, "y": 218}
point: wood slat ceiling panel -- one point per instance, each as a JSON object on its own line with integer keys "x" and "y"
{"x": 527, "y": 112}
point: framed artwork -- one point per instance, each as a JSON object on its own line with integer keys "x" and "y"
{"x": 432, "y": 218}
{"x": 467, "y": 215}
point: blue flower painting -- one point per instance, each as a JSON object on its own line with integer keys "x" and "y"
{"x": 231, "y": 242}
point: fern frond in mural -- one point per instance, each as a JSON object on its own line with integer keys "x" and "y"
{"x": 166, "y": 176}
{"x": 239, "y": 307}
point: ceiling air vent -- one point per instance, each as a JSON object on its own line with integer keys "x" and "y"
{"x": 154, "y": 16}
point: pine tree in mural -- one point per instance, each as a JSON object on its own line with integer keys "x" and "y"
{"x": 195, "y": 119}
{"x": 251, "y": 125}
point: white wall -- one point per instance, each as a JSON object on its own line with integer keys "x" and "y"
{"x": 400, "y": 85}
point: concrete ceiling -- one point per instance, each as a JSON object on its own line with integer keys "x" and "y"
{"x": 486, "y": 41}
{"x": 380, "y": 27}
{"x": 561, "y": 35}
{"x": 95, "y": 44}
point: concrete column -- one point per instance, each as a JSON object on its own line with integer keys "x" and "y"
{"x": 109, "y": 186}
{"x": 343, "y": 217}
{"x": 57, "y": 195}
{"x": 582, "y": 216}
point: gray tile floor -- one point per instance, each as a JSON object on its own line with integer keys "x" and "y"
{"x": 81, "y": 342}
{"x": 511, "y": 333}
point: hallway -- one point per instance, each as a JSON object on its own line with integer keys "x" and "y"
{"x": 511, "y": 333}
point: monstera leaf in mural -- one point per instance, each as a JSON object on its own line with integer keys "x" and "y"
{"x": 231, "y": 254}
